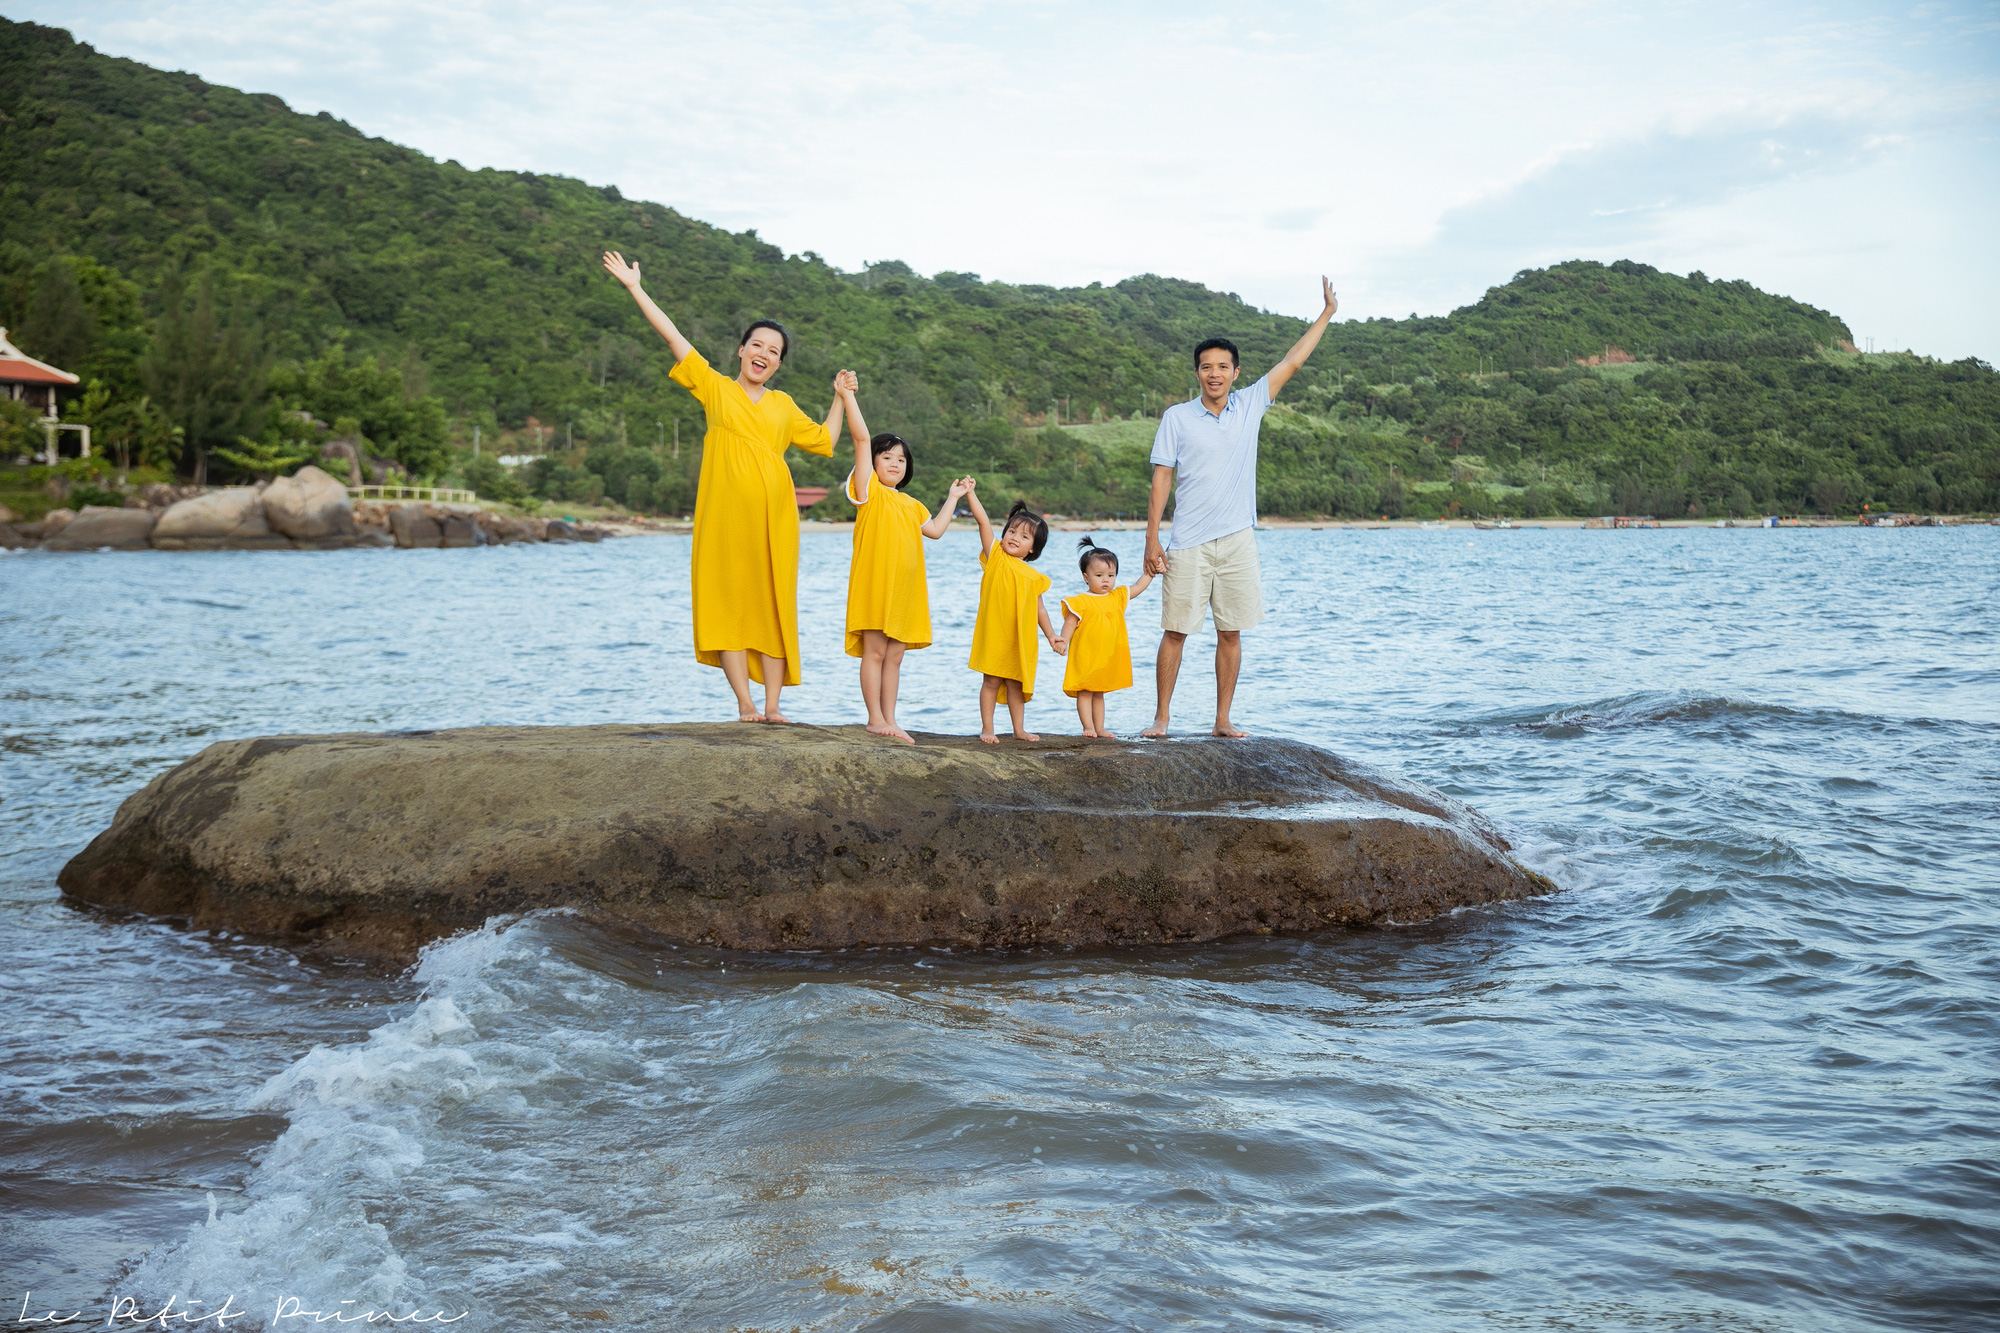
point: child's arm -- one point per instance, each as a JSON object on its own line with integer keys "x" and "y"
{"x": 1070, "y": 622}
{"x": 938, "y": 525}
{"x": 985, "y": 523}
{"x": 1139, "y": 584}
{"x": 844, "y": 385}
{"x": 1056, "y": 641}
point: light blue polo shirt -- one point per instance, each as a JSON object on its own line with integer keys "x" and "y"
{"x": 1215, "y": 464}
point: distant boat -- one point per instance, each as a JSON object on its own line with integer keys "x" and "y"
{"x": 1498, "y": 524}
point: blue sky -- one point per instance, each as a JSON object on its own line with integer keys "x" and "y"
{"x": 1845, "y": 154}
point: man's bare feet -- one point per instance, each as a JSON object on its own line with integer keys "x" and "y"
{"x": 1157, "y": 731}
{"x": 1225, "y": 729}
{"x": 1026, "y": 736}
{"x": 989, "y": 737}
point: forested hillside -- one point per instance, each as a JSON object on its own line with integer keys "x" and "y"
{"x": 216, "y": 264}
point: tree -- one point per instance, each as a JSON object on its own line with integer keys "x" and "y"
{"x": 59, "y": 328}
{"x": 207, "y": 373}
{"x": 409, "y": 429}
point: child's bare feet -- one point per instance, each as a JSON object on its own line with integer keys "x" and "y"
{"x": 989, "y": 737}
{"x": 903, "y": 736}
{"x": 880, "y": 729}
{"x": 1026, "y": 736}
{"x": 747, "y": 716}
{"x": 777, "y": 717}
{"x": 1108, "y": 735}
{"x": 1088, "y": 732}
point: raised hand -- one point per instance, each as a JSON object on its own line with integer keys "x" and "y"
{"x": 846, "y": 382}
{"x": 615, "y": 265}
{"x": 1332, "y": 297}
{"x": 970, "y": 484}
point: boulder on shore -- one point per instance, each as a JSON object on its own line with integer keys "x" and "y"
{"x": 101, "y": 525}
{"x": 413, "y": 527}
{"x": 231, "y": 518}
{"x": 754, "y": 837}
{"x": 309, "y": 506}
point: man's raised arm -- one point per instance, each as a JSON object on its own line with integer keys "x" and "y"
{"x": 1282, "y": 373}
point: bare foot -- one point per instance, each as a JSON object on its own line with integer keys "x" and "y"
{"x": 880, "y": 729}
{"x": 1108, "y": 735}
{"x": 989, "y": 738}
{"x": 1026, "y": 736}
{"x": 1157, "y": 731}
{"x": 903, "y": 736}
{"x": 749, "y": 717}
{"x": 777, "y": 717}
{"x": 1091, "y": 734}
{"x": 1224, "y": 729}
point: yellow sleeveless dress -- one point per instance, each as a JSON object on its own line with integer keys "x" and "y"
{"x": 886, "y": 588}
{"x": 744, "y": 574}
{"x": 1100, "y": 653}
{"x": 1004, "y": 636}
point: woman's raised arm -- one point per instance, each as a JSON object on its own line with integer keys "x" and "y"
{"x": 615, "y": 265}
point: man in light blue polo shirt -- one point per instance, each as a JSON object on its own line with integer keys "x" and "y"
{"x": 1210, "y": 559}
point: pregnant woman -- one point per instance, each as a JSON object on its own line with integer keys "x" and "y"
{"x": 745, "y": 571}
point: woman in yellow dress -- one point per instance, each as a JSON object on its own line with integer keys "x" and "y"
{"x": 1100, "y": 652}
{"x": 744, "y": 573}
{"x": 888, "y": 596}
{"x": 1010, "y": 610}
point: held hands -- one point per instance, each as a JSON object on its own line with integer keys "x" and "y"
{"x": 1060, "y": 644}
{"x": 1156, "y": 556}
{"x": 961, "y": 487}
{"x": 847, "y": 384}
{"x": 628, "y": 274}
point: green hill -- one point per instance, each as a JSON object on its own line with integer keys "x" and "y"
{"x": 146, "y": 216}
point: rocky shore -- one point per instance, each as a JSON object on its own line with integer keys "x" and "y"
{"x": 783, "y": 838}
{"x": 308, "y": 510}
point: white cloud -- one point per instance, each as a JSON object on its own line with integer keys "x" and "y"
{"x": 1418, "y": 154}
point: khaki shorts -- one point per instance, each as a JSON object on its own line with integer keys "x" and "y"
{"x": 1221, "y": 576}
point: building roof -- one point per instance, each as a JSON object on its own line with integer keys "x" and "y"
{"x": 17, "y": 367}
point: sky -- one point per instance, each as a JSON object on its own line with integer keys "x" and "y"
{"x": 1846, "y": 154}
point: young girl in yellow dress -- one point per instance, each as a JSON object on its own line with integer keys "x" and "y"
{"x": 888, "y": 600}
{"x": 1010, "y": 610}
{"x": 1100, "y": 654}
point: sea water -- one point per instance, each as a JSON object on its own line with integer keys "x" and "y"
{"x": 1739, "y": 1074}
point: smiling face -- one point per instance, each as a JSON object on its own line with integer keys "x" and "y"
{"x": 1217, "y": 370}
{"x": 761, "y": 354}
{"x": 1100, "y": 577}
{"x": 891, "y": 465}
{"x": 1019, "y": 539}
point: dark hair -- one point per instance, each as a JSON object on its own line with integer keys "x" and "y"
{"x": 886, "y": 441}
{"x": 1020, "y": 513}
{"x": 1092, "y": 551}
{"x": 1208, "y": 345}
{"x": 784, "y": 338}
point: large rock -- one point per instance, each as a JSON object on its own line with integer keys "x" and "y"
{"x": 413, "y": 527}
{"x": 309, "y": 505}
{"x": 753, "y": 837}
{"x": 232, "y": 518}
{"x": 461, "y": 528}
{"x": 11, "y": 539}
{"x": 100, "y": 525}
{"x": 51, "y": 525}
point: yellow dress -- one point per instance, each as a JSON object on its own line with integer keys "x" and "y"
{"x": 1100, "y": 654}
{"x": 886, "y": 589}
{"x": 1003, "y": 637}
{"x": 744, "y": 574}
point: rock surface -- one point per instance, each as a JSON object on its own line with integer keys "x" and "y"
{"x": 751, "y": 837}
{"x": 101, "y": 525}
{"x": 229, "y": 518}
{"x": 309, "y": 505}
{"x": 414, "y": 527}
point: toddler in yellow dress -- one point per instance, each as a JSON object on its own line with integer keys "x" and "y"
{"x": 1010, "y": 610}
{"x": 1100, "y": 654}
{"x": 888, "y": 599}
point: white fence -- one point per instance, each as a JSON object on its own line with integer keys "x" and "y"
{"x": 430, "y": 494}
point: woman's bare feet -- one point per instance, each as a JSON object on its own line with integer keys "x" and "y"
{"x": 1225, "y": 729}
{"x": 1026, "y": 736}
{"x": 777, "y": 717}
{"x": 989, "y": 737}
{"x": 1157, "y": 731}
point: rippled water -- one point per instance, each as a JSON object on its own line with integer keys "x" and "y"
{"x": 1741, "y": 1074}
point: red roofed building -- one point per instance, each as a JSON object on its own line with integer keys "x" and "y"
{"x": 33, "y": 382}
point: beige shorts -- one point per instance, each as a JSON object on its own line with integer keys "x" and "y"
{"x": 1220, "y": 576}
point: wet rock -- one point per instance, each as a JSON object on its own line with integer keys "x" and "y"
{"x": 227, "y": 519}
{"x": 751, "y": 837}
{"x": 414, "y": 527}
{"x": 460, "y": 529}
{"x": 309, "y": 505}
{"x": 100, "y": 525}
{"x": 561, "y": 530}
{"x": 11, "y": 538}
